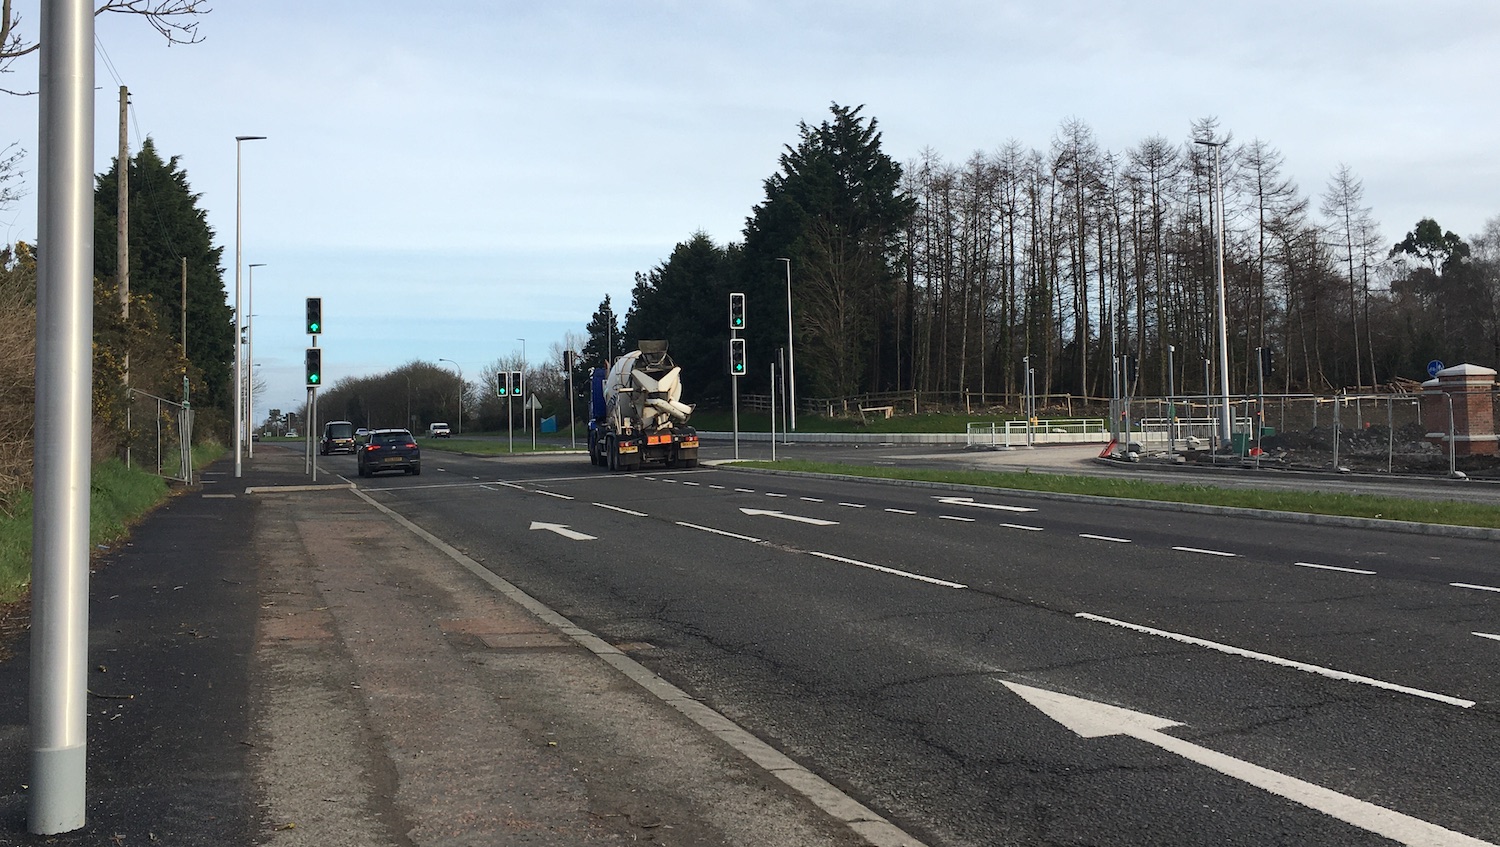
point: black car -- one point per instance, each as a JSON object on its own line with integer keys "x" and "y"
{"x": 338, "y": 437}
{"x": 389, "y": 450}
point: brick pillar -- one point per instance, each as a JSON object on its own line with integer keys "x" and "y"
{"x": 1471, "y": 387}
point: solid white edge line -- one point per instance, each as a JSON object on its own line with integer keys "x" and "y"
{"x": 719, "y": 532}
{"x": 553, "y": 494}
{"x": 864, "y": 821}
{"x": 955, "y": 518}
{"x": 621, "y": 509}
{"x": 1207, "y": 552}
{"x": 1277, "y": 660}
{"x": 1473, "y": 586}
{"x": 1486, "y": 635}
{"x": 1022, "y": 526}
{"x": 1104, "y": 538}
{"x": 883, "y": 569}
{"x": 1332, "y": 568}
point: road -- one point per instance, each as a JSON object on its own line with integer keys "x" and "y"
{"x": 1284, "y": 684}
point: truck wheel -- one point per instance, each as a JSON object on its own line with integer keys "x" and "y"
{"x": 611, "y": 459}
{"x": 690, "y": 463}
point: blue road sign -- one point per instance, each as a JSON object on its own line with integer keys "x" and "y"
{"x": 1433, "y": 367}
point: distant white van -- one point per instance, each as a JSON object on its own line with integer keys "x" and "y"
{"x": 437, "y": 430}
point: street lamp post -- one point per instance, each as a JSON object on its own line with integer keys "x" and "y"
{"x": 250, "y": 357}
{"x": 239, "y": 362}
{"x": 1225, "y": 421}
{"x": 523, "y": 383}
{"x": 791, "y": 360}
{"x": 460, "y": 393}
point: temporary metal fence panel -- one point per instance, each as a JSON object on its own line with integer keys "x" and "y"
{"x": 1010, "y": 434}
{"x": 160, "y": 436}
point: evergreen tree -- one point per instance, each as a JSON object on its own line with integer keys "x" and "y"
{"x": 166, "y": 226}
{"x": 685, "y": 301}
{"x": 604, "y": 343}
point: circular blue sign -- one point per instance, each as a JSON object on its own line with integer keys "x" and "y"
{"x": 1433, "y": 367}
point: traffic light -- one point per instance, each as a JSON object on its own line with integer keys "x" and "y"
{"x": 1267, "y": 360}
{"x": 314, "y": 315}
{"x": 314, "y": 367}
{"x": 736, "y": 357}
{"x": 501, "y": 383}
{"x": 515, "y": 383}
{"x": 736, "y": 311}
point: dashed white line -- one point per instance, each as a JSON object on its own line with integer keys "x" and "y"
{"x": 1104, "y": 538}
{"x": 811, "y": 499}
{"x": 719, "y": 532}
{"x": 1207, "y": 552}
{"x": 1475, "y": 587}
{"x": 685, "y": 482}
{"x": 621, "y": 509}
{"x": 955, "y": 518}
{"x": 553, "y": 494}
{"x": 1022, "y": 526}
{"x": 901, "y": 511}
{"x": 1486, "y": 635}
{"x": 719, "y": 487}
{"x": 769, "y": 494}
{"x": 1333, "y": 568}
{"x": 883, "y": 569}
{"x": 745, "y": 490}
{"x": 1277, "y": 660}
{"x": 853, "y": 505}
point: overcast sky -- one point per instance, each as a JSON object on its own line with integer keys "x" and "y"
{"x": 452, "y": 177}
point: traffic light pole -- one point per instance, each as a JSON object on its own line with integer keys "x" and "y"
{"x": 735, "y": 381}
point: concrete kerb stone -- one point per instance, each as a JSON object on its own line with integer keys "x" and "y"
{"x": 860, "y": 819}
{"x": 1477, "y": 533}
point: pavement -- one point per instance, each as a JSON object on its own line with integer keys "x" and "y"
{"x": 281, "y": 664}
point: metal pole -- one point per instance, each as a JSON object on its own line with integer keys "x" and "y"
{"x": 64, "y": 377}
{"x": 734, "y": 382}
{"x": 250, "y": 357}
{"x": 1260, "y": 403}
{"x": 791, "y": 361}
{"x": 1171, "y": 404}
{"x": 1225, "y": 420}
{"x": 239, "y": 316}
{"x": 1452, "y": 438}
{"x": 572, "y": 412}
{"x": 307, "y": 453}
{"x": 785, "y": 426}
{"x": 773, "y": 411}
{"x": 510, "y": 423}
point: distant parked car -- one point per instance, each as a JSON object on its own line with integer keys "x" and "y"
{"x": 389, "y": 450}
{"x": 338, "y": 437}
{"x": 291, "y": 433}
{"x": 438, "y": 430}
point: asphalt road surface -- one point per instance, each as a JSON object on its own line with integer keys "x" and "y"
{"x": 988, "y": 669}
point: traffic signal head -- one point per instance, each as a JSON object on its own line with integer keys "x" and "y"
{"x": 736, "y": 311}
{"x": 314, "y": 367}
{"x": 515, "y": 383}
{"x": 314, "y": 315}
{"x": 736, "y": 357}
{"x": 502, "y": 387}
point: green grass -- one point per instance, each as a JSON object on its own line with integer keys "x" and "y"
{"x": 1448, "y": 512}
{"x": 118, "y": 498}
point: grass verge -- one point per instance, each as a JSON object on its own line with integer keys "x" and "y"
{"x": 1448, "y": 512}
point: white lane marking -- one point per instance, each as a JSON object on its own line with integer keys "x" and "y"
{"x": 955, "y": 518}
{"x": 1486, "y": 635}
{"x": 1475, "y": 587}
{"x": 1022, "y": 526}
{"x": 685, "y": 482}
{"x": 786, "y": 517}
{"x": 473, "y": 477}
{"x": 1207, "y": 552}
{"x": 810, "y": 499}
{"x": 769, "y": 494}
{"x": 901, "y": 511}
{"x": 883, "y": 569}
{"x": 218, "y": 496}
{"x": 969, "y": 501}
{"x": 553, "y": 494}
{"x": 745, "y": 490}
{"x": 719, "y": 532}
{"x": 1277, "y": 660}
{"x": 1104, "y": 538}
{"x": 853, "y": 505}
{"x": 1089, "y": 719}
{"x": 562, "y": 529}
{"x": 719, "y": 487}
{"x": 667, "y": 479}
{"x": 620, "y": 509}
{"x": 1332, "y": 568}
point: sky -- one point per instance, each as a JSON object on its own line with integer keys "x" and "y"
{"x": 456, "y": 176}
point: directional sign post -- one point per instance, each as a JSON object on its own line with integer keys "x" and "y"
{"x": 532, "y": 404}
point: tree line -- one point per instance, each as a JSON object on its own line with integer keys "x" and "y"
{"x": 944, "y": 278}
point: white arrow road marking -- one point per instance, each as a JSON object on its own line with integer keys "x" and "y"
{"x": 1094, "y": 720}
{"x": 1277, "y": 660}
{"x": 562, "y": 530}
{"x": 883, "y": 569}
{"x": 969, "y": 501}
{"x": 786, "y": 517}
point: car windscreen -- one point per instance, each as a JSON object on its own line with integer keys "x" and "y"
{"x": 340, "y": 430}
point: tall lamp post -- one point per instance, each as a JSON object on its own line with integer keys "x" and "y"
{"x": 250, "y": 357}
{"x": 791, "y": 360}
{"x": 239, "y": 359}
{"x": 460, "y": 393}
{"x": 1225, "y": 421}
{"x": 523, "y": 382}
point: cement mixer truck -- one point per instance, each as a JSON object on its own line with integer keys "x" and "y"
{"x": 637, "y": 416}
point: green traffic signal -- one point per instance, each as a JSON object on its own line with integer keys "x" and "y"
{"x": 314, "y": 315}
{"x": 314, "y": 362}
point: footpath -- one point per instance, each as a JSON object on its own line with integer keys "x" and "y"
{"x": 298, "y": 667}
